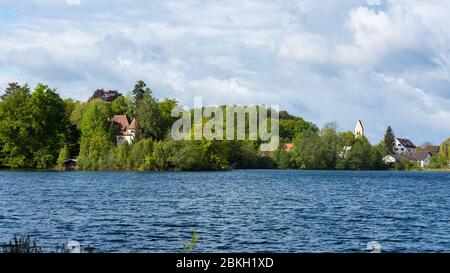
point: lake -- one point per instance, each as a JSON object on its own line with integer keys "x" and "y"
{"x": 235, "y": 211}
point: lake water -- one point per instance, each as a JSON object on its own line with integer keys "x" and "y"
{"x": 236, "y": 211}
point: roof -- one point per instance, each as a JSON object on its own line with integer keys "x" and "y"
{"x": 407, "y": 143}
{"x": 133, "y": 124}
{"x": 360, "y": 122}
{"x": 122, "y": 122}
{"x": 288, "y": 147}
{"x": 432, "y": 149}
{"x": 419, "y": 156}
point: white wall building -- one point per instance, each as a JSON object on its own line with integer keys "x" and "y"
{"x": 404, "y": 146}
{"x": 124, "y": 130}
{"x": 359, "y": 129}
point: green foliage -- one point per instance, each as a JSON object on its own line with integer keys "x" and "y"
{"x": 32, "y": 127}
{"x": 97, "y": 137}
{"x": 140, "y": 157}
{"x": 291, "y": 126}
{"x": 442, "y": 159}
{"x": 122, "y": 106}
{"x": 148, "y": 114}
{"x": 405, "y": 165}
{"x": 64, "y": 155}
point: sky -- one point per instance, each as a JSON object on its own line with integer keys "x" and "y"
{"x": 385, "y": 62}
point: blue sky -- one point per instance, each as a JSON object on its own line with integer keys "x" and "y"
{"x": 384, "y": 62}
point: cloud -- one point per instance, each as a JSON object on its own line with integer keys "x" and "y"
{"x": 383, "y": 61}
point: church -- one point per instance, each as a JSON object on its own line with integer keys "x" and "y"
{"x": 359, "y": 129}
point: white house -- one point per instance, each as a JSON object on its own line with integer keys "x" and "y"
{"x": 124, "y": 130}
{"x": 404, "y": 146}
{"x": 389, "y": 159}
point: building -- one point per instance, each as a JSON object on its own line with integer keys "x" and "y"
{"x": 389, "y": 159}
{"x": 288, "y": 147}
{"x": 345, "y": 151}
{"x": 70, "y": 164}
{"x": 124, "y": 130}
{"x": 404, "y": 145}
{"x": 359, "y": 129}
{"x": 422, "y": 159}
{"x": 432, "y": 149}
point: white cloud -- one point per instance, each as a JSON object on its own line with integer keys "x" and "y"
{"x": 324, "y": 60}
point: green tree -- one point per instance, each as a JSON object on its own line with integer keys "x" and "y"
{"x": 140, "y": 157}
{"x": 328, "y": 147}
{"x": 122, "y": 106}
{"x": 165, "y": 108}
{"x": 121, "y": 156}
{"x": 363, "y": 156}
{"x": 97, "y": 137}
{"x": 389, "y": 140}
{"x": 149, "y": 118}
{"x": 64, "y": 155}
{"x": 15, "y": 128}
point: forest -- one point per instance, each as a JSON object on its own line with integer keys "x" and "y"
{"x": 40, "y": 130}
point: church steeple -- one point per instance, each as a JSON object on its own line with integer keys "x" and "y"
{"x": 359, "y": 129}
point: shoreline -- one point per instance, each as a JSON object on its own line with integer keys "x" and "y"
{"x": 446, "y": 170}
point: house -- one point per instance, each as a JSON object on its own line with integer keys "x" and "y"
{"x": 389, "y": 159}
{"x": 359, "y": 129}
{"x": 422, "y": 159}
{"x": 288, "y": 147}
{"x": 432, "y": 149}
{"x": 345, "y": 151}
{"x": 70, "y": 164}
{"x": 124, "y": 130}
{"x": 404, "y": 145}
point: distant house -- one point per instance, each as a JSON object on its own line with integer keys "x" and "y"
{"x": 288, "y": 147}
{"x": 404, "y": 146}
{"x": 359, "y": 129}
{"x": 422, "y": 159}
{"x": 345, "y": 151}
{"x": 389, "y": 159}
{"x": 70, "y": 164}
{"x": 124, "y": 130}
{"x": 432, "y": 149}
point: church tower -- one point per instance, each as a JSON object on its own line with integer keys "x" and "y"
{"x": 359, "y": 129}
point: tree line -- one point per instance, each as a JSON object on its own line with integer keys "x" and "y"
{"x": 40, "y": 130}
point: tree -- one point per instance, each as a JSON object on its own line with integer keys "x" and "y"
{"x": 328, "y": 147}
{"x": 442, "y": 159}
{"x": 32, "y": 127}
{"x": 12, "y": 88}
{"x": 108, "y": 96}
{"x": 140, "y": 88}
{"x": 149, "y": 118}
{"x": 122, "y": 106}
{"x": 97, "y": 137}
{"x": 140, "y": 155}
{"x": 306, "y": 153}
{"x": 64, "y": 155}
{"x": 15, "y": 128}
{"x": 389, "y": 140}
{"x": 49, "y": 122}
{"x": 359, "y": 157}
{"x": 165, "y": 108}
